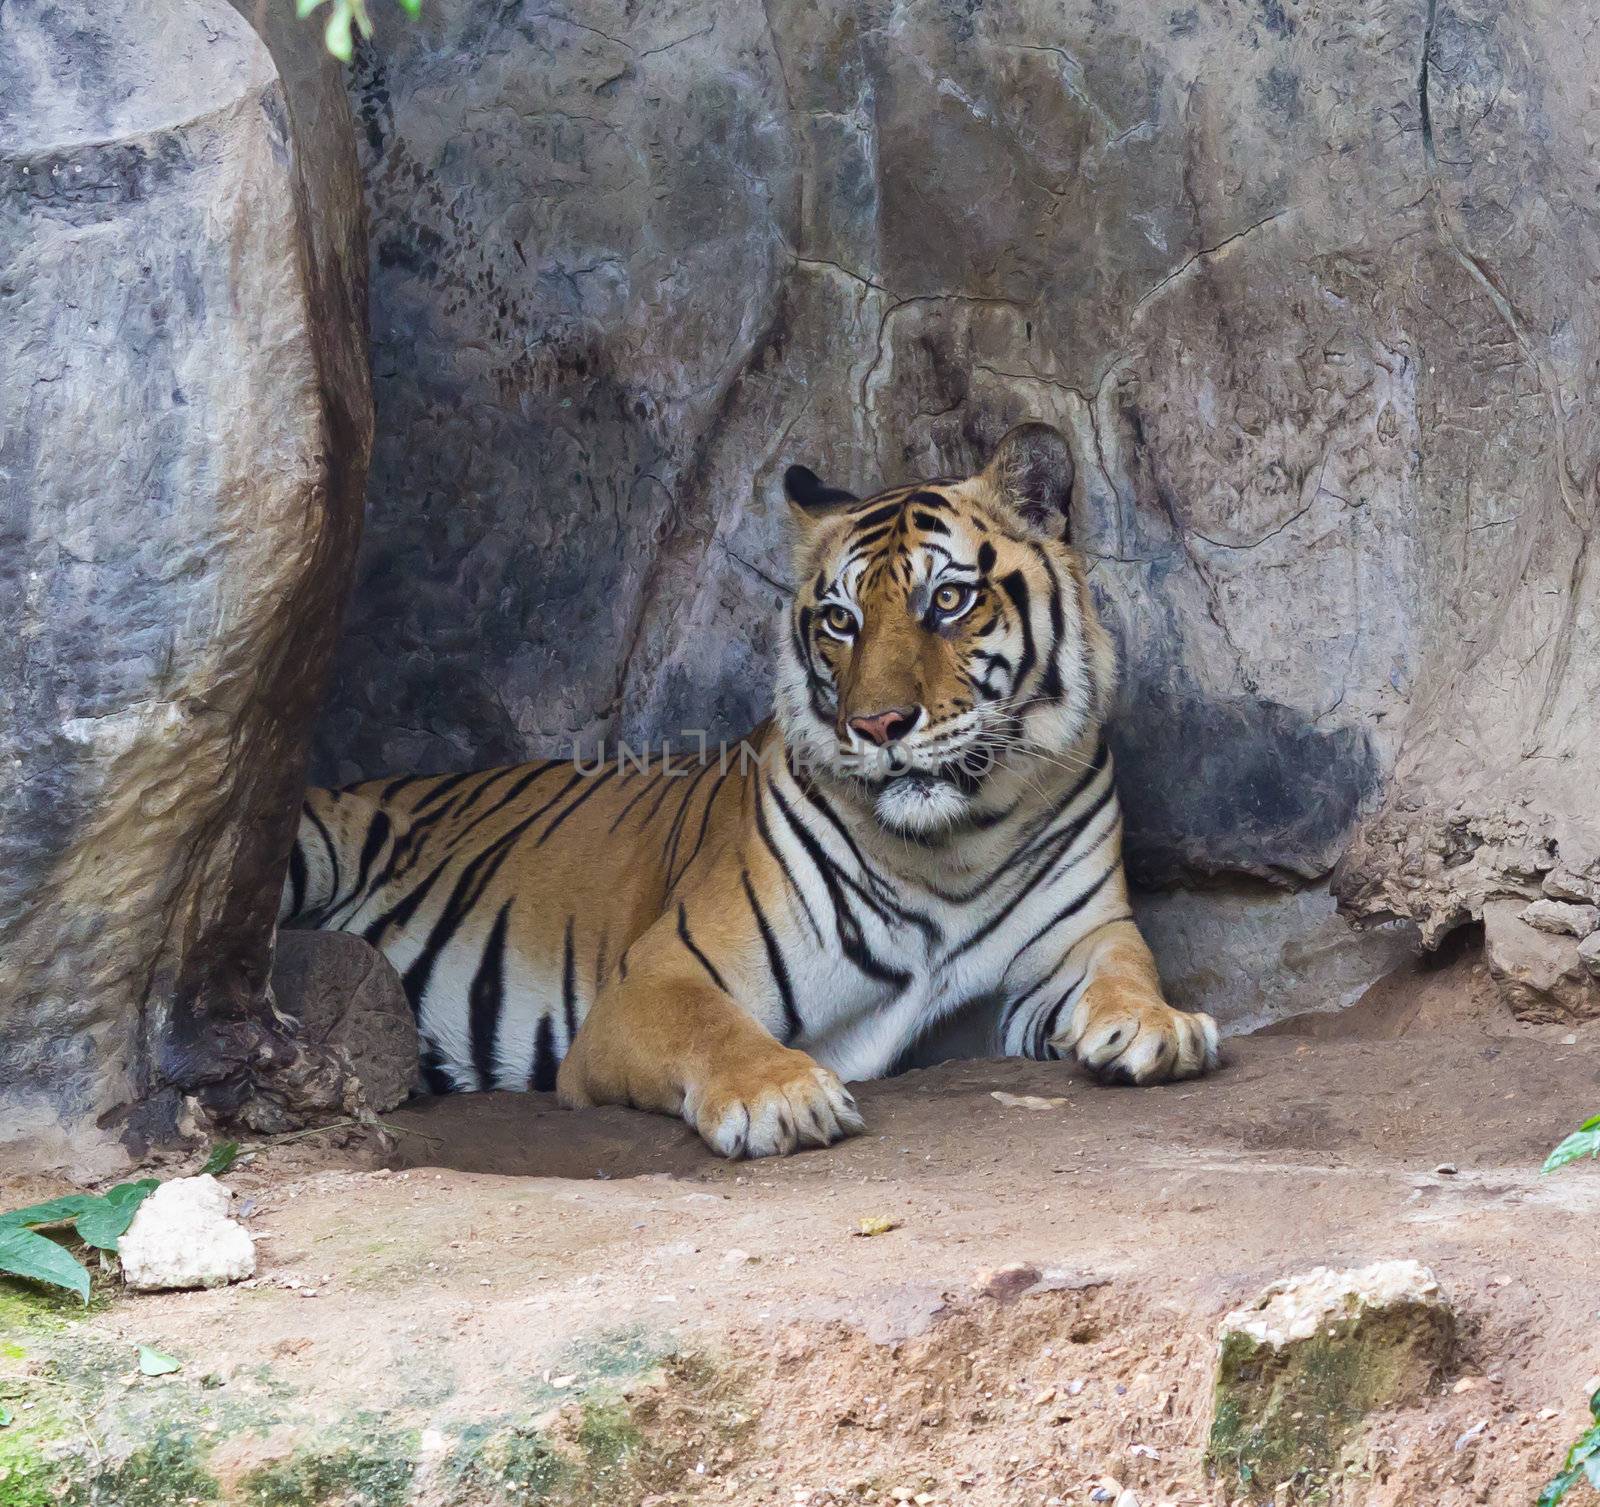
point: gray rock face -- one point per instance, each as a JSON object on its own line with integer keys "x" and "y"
{"x": 352, "y": 1014}
{"x": 1309, "y": 288}
{"x": 184, "y": 428}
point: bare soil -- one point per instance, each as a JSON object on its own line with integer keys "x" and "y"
{"x": 507, "y": 1245}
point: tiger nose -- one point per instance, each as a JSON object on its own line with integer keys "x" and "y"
{"x": 884, "y": 728}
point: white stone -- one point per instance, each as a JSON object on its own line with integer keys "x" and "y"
{"x": 182, "y": 1236}
{"x": 1562, "y": 918}
{"x": 1589, "y": 953}
{"x": 1297, "y": 1308}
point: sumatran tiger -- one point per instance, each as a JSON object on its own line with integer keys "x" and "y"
{"x": 928, "y": 821}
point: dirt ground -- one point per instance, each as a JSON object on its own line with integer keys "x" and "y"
{"x": 508, "y": 1259}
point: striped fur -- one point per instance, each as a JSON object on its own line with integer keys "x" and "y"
{"x": 728, "y": 939}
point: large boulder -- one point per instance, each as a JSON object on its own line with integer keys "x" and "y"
{"x": 1310, "y": 289}
{"x": 186, "y": 424}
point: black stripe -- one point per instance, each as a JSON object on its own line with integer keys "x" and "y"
{"x": 333, "y": 852}
{"x": 928, "y": 500}
{"x": 486, "y": 999}
{"x": 669, "y": 848}
{"x": 705, "y": 821}
{"x": 433, "y": 1073}
{"x": 874, "y": 518}
{"x": 488, "y": 780}
{"x": 689, "y": 942}
{"x": 765, "y": 833}
{"x": 1017, "y": 589}
{"x": 646, "y": 785}
{"x": 1051, "y": 688}
{"x": 929, "y": 523}
{"x": 402, "y": 912}
{"x": 595, "y": 782}
{"x": 846, "y": 925}
{"x": 1057, "y": 847}
{"x": 394, "y": 787}
{"x": 882, "y": 900}
{"x": 569, "y": 983}
{"x": 297, "y": 878}
{"x": 1071, "y": 908}
{"x": 474, "y": 879}
{"x": 442, "y": 789}
{"x": 793, "y": 1025}
{"x": 666, "y": 779}
{"x": 1046, "y": 1026}
{"x": 377, "y": 836}
{"x": 986, "y": 557}
{"x": 542, "y": 1075}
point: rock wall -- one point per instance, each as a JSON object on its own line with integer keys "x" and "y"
{"x": 185, "y": 422}
{"x": 1310, "y": 285}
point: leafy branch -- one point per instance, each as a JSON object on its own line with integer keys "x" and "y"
{"x": 345, "y": 19}
{"x": 99, "y": 1219}
{"x": 1584, "y": 1141}
{"x": 1583, "y": 1459}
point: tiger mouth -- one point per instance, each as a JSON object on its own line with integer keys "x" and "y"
{"x": 966, "y": 775}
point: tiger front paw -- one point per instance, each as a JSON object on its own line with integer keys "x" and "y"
{"x": 1128, "y": 1036}
{"x": 770, "y": 1107}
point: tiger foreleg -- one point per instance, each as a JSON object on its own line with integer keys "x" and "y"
{"x": 681, "y": 1047}
{"x": 1108, "y": 1013}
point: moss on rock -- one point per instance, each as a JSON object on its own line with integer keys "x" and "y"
{"x": 169, "y": 1471}
{"x": 1298, "y": 1374}
{"x": 325, "y": 1476}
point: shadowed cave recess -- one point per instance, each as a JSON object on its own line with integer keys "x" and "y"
{"x": 1309, "y": 292}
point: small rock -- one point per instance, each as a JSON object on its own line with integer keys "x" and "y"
{"x": 1005, "y": 1283}
{"x": 1027, "y": 1101}
{"x": 1301, "y": 1366}
{"x": 1472, "y": 1433}
{"x": 1544, "y": 977}
{"x": 1562, "y": 884}
{"x": 1129, "y": 1498}
{"x": 1445, "y": 1169}
{"x": 1561, "y": 918}
{"x": 182, "y": 1237}
{"x": 1589, "y": 956}
{"x": 737, "y": 1258}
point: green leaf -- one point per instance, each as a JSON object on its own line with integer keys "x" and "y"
{"x": 223, "y": 1155}
{"x": 303, "y": 8}
{"x": 1584, "y": 1141}
{"x": 358, "y": 13}
{"x": 103, "y": 1224}
{"x": 154, "y": 1363}
{"x": 412, "y": 8}
{"x": 337, "y": 35}
{"x": 1553, "y": 1493}
{"x": 5, "y": 1416}
{"x": 51, "y": 1211}
{"x": 24, "y": 1254}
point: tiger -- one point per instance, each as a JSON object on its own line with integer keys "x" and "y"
{"x": 928, "y": 822}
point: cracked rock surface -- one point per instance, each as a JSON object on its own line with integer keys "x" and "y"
{"x": 1310, "y": 289}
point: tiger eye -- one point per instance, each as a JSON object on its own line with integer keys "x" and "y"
{"x": 840, "y": 620}
{"x": 950, "y": 598}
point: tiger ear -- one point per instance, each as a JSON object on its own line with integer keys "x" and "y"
{"x": 1031, "y": 472}
{"x": 810, "y": 494}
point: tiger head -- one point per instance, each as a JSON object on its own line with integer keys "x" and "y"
{"x": 944, "y": 655}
